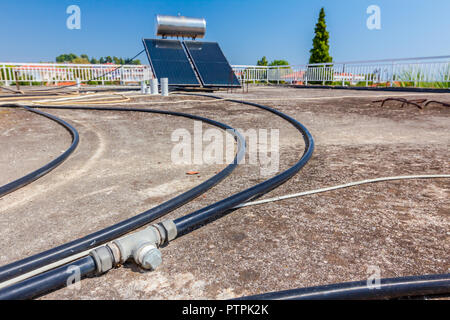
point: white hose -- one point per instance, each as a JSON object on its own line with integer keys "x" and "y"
{"x": 341, "y": 186}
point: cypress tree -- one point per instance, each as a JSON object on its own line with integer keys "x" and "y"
{"x": 320, "y": 51}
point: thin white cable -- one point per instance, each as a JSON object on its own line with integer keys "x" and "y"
{"x": 341, "y": 186}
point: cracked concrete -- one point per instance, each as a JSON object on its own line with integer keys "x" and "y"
{"x": 122, "y": 167}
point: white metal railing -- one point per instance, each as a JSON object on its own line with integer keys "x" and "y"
{"x": 52, "y": 73}
{"x": 406, "y": 72}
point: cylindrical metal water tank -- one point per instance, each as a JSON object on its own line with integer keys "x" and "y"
{"x": 170, "y": 26}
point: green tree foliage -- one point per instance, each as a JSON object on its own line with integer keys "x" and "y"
{"x": 279, "y": 63}
{"x": 118, "y": 60}
{"x": 320, "y": 51}
{"x": 64, "y": 58}
{"x": 84, "y": 59}
{"x": 262, "y": 62}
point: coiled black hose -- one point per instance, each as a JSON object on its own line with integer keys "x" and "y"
{"x": 387, "y": 289}
{"x": 110, "y": 233}
{"x": 195, "y": 219}
{"x": 16, "y": 184}
{"x": 183, "y": 224}
{"x": 390, "y": 288}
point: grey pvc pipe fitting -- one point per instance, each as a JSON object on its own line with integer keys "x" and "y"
{"x": 154, "y": 86}
{"x": 164, "y": 87}
{"x": 142, "y": 246}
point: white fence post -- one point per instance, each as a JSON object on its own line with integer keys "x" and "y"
{"x": 306, "y": 75}
{"x": 392, "y": 75}
{"x": 4, "y": 75}
{"x": 448, "y": 75}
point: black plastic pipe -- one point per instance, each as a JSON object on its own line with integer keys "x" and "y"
{"x": 110, "y": 233}
{"x": 50, "y": 280}
{"x": 32, "y": 176}
{"x": 8, "y": 89}
{"x": 24, "y": 95}
{"x": 195, "y": 219}
{"x": 201, "y": 216}
{"x": 389, "y": 288}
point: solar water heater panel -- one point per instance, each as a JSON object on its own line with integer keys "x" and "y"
{"x": 168, "y": 59}
{"x": 211, "y": 64}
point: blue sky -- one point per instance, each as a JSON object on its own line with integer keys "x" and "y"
{"x": 33, "y": 31}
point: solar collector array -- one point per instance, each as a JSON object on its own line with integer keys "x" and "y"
{"x": 168, "y": 60}
{"x": 211, "y": 64}
{"x": 190, "y": 63}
